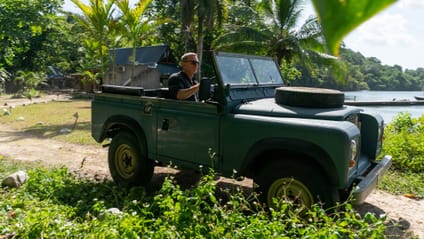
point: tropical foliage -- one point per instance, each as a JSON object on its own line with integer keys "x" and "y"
{"x": 200, "y": 17}
{"x": 278, "y": 35}
{"x": 33, "y": 36}
{"x": 4, "y": 76}
{"x": 363, "y": 73}
{"x": 27, "y": 83}
{"x": 46, "y": 36}
{"x": 404, "y": 141}
{"x": 404, "y": 138}
{"x": 135, "y": 26}
{"x": 55, "y": 204}
{"x": 97, "y": 19}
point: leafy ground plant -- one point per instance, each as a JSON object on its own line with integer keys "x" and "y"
{"x": 55, "y": 204}
{"x": 404, "y": 140}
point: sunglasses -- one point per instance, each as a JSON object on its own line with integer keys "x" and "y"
{"x": 193, "y": 62}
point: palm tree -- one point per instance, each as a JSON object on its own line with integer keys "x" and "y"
{"x": 97, "y": 19}
{"x": 278, "y": 35}
{"x": 136, "y": 28}
{"x": 208, "y": 14}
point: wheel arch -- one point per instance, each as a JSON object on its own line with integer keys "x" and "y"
{"x": 269, "y": 149}
{"x": 117, "y": 123}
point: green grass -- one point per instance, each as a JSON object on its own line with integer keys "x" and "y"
{"x": 405, "y": 183}
{"x": 8, "y": 166}
{"x": 55, "y": 204}
{"x": 47, "y": 120}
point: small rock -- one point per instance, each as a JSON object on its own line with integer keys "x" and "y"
{"x": 110, "y": 211}
{"x": 114, "y": 211}
{"x": 65, "y": 131}
{"x": 21, "y": 118}
{"x": 40, "y": 123}
{"x": 15, "y": 180}
{"x": 6, "y": 112}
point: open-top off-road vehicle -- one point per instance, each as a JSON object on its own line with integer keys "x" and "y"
{"x": 298, "y": 143}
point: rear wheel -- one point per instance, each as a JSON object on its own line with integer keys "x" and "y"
{"x": 128, "y": 163}
{"x": 296, "y": 181}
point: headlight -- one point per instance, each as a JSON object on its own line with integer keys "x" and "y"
{"x": 353, "y": 153}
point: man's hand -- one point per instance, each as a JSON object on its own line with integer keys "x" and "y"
{"x": 187, "y": 93}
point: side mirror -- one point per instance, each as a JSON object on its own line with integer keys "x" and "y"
{"x": 205, "y": 89}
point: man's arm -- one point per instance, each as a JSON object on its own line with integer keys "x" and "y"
{"x": 188, "y": 92}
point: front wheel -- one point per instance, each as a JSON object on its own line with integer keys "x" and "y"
{"x": 296, "y": 181}
{"x": 128, "y": 163}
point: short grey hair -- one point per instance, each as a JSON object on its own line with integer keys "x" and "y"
{"x": 187, "y": 55}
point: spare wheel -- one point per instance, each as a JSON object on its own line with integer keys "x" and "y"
{"x": 309, "y": 97}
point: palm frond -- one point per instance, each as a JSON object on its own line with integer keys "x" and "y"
{"x": 287, "y": 12}
{"x": 310, "y": 29}
{"x": 142, "y": 6}
{"x": 243, "y": 34}
{"x": 245, "y": 47}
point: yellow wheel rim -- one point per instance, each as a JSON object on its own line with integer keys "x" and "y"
{"x": 125, "y": 161}
{"x": 289, "y": 189}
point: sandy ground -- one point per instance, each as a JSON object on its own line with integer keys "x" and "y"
{"x": 405, "y": 216}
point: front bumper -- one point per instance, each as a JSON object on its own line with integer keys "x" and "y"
{"x": 370, "y": 181}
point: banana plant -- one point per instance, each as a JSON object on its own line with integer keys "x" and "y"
{"x": 338, "y": 18}
{"x": 135, "y": 26}
{"x": 97, "y": 19}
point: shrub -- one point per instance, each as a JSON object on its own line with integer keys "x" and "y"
{"x": 55, "y": 204}
{"x": 28, "y": 82}
{"x": 4, "y": 76}
{"x": 404, "y": 140}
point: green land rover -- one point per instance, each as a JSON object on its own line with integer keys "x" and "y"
{"x": 298, "y": 143}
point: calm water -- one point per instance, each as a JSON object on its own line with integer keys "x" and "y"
{"x": 388, "y": 112}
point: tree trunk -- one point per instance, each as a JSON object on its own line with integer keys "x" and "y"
{"x": 200, "y": 47}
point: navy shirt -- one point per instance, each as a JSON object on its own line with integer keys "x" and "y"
{"x": 179, "y": 81}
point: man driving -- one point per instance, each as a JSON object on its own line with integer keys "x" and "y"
{"x": 182, "y": 85}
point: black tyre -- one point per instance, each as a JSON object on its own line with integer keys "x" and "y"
{"x": 297, "y": 181}
{"x": 128, "y": 163}
{"x": 309, "y": 97}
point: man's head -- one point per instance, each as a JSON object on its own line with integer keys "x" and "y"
{"x": 190, "y": 63}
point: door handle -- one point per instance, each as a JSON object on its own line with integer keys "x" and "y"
{"x": 165, "y": 124}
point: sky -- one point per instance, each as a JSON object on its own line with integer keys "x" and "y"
{"x": 394, "y": 36}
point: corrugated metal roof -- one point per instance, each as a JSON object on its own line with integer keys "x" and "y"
{"x": 168, "y": 69}
{"x": 144, "y": 55}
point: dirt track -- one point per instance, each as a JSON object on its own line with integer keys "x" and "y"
{"x": 404, "y": 215}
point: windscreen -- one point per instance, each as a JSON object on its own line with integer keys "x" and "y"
{"x": 247, "y": 70}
